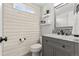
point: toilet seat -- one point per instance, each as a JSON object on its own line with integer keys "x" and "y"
{"x": 36, "y": 47}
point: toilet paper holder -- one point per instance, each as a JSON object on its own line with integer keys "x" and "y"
{"x": 21, "y": 40}
{"x": 3, "y": 39}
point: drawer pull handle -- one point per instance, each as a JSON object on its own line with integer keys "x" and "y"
{"x": 63, "y": 46}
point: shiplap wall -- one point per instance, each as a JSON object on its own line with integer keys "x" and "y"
{"x": 0, "y": 19}
{"x": 1, "y": 28}
{"x": 18, "y": 24}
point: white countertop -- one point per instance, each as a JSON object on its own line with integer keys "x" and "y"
{"x": 63, "y": 37}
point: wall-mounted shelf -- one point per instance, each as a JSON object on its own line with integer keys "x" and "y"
{"x": 47, "y": 15}
{"x": 46, "y": 24}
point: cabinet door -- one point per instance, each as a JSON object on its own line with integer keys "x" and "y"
{"x": 64, "y": 49}
{"x": 48, "y": 50}
{"x": 60, "y": 52}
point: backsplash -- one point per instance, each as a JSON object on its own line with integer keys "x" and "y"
{"x": 63, "y": 30}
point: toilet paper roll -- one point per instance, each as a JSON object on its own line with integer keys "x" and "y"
{"x": 22, "y": 39}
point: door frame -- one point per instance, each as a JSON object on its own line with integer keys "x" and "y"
{"x": 1, "y": 28}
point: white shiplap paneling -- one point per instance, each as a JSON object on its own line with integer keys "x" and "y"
{"x": 18, "y": 25}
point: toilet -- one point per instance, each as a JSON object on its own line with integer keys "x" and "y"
{"x": 36, "y": 48}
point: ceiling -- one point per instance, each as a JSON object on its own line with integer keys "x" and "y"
{"x": 40, "y": 4}
{"x": 43, "y": 4}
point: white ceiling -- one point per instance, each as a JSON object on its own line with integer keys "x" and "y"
{"x": 42, "y": 4}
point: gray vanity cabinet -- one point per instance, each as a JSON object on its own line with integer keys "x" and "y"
{"x": 57, "y": 47}
{"x": 48, "y": 50}
{"x": 60, "y": 52}
{"x": 64, "y": 52}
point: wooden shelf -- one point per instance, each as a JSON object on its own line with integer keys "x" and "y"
{"x": 46, "y": 24}
{"x": 45, "y": 15}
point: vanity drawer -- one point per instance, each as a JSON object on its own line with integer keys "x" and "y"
{"x": 52, "y": 40}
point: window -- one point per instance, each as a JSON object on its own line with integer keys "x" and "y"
{"x": 22, "y": 7}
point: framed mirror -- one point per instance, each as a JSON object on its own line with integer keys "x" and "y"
{"x": 64, "y": 14}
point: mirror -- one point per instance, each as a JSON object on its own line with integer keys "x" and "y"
{"x": 64, "y": 14}
{"x": 64, "y": 18}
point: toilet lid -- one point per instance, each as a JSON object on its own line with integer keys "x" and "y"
{"x": 36, "y": 46}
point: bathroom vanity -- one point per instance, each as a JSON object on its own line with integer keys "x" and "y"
{"x": 58, "y": 45}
